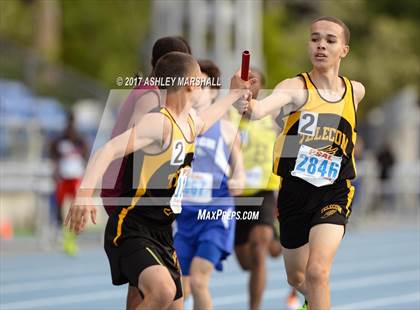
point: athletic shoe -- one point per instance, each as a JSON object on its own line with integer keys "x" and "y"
{"x": 304, "y": 306}
{"x": 292, "y": 300}
{"x": 69, "y": 243}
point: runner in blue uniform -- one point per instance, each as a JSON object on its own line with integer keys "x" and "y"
{"x": 203, "y": 243}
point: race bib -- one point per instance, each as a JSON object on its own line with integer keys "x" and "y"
{"x": 254, "y": 177}
{"x": 176, "y": 199}
{"x": 225, "y": 219}
{"x": 199, "y": 187}
{"x": 316, "y": 167}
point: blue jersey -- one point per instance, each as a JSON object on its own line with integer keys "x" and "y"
{"x": 207, "y": 185}
{"x": 207, "y": 190}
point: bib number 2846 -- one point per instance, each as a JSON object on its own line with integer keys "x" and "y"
{"x": 317, "y": 167}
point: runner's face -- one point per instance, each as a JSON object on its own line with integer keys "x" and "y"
{"x": 326, "y": 44}
{"x": 205, "y": 99}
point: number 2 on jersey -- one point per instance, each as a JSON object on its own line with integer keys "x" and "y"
{"x": 178, "y": 153}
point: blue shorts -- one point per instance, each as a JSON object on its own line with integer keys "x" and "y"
{"x": 205, "y": 249}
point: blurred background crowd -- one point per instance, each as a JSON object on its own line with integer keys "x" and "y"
{"x": 61, "y": 58}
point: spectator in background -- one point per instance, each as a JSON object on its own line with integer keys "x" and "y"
{"x": 359, "y": 149}
{"x": 69, "y": 153}
{"x": 386, "y": 161}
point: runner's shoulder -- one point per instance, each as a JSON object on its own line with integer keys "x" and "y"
{"x": 295, "y": 82}
{"x": 156, "y": 123}
{"x": 358, "y": 91}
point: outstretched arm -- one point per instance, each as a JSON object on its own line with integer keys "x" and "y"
{"x": 287, "y": 91}
{"x": 238, "y": 88}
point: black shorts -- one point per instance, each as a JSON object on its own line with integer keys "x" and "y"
{"x": 302, "y": 206}
{"x": 266, "y": 216}
{"x": 140, "y": 246}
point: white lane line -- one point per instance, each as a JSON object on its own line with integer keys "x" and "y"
{"x": 44, "y": 285}
{"x": 38, "y": 272}
{"x": 381, "y": 302}
{"x": 64, "y": 300}
{"x": 339, "y": 269}
{"x": 27, "y": 273}
{"x": 393, "y": 278}
{"x": 371, "y": 281}
{"x": 218, "y": 281}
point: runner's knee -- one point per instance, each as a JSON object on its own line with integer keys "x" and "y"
{"x": 164, "y": 295}
{"x": 317, "y": 273}
{"x": 242, "y": 255}
{"x": 258, "y": 252}
{"x": 162, "y": 290}
{"x": 296, "y": 279}
{"x": 261, "y": 235}
{"x": 199, "y": 281}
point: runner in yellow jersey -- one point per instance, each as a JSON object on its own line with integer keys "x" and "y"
{"x": 314, "y": 157}
{"x": 254, "y": 239}
{"x": 138, "y": 236}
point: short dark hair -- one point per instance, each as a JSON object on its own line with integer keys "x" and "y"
{"x": 174, "y": 65}
{"x": 166, "y": 45}
{"x": 339, "y": 22}
{"x": 209, "y": 67}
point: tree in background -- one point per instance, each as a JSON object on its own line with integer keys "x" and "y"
{"x": 102, "y": 39}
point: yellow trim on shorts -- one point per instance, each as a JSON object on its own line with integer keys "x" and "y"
{"x": 350, "y": 196}
{"x": 154, "y": 256}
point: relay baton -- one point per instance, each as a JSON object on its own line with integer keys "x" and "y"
{"x": 245, "y": 65}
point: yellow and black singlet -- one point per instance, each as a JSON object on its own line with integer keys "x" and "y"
{"x": 318, "y": 139}
{"x": 151, "y": 179}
